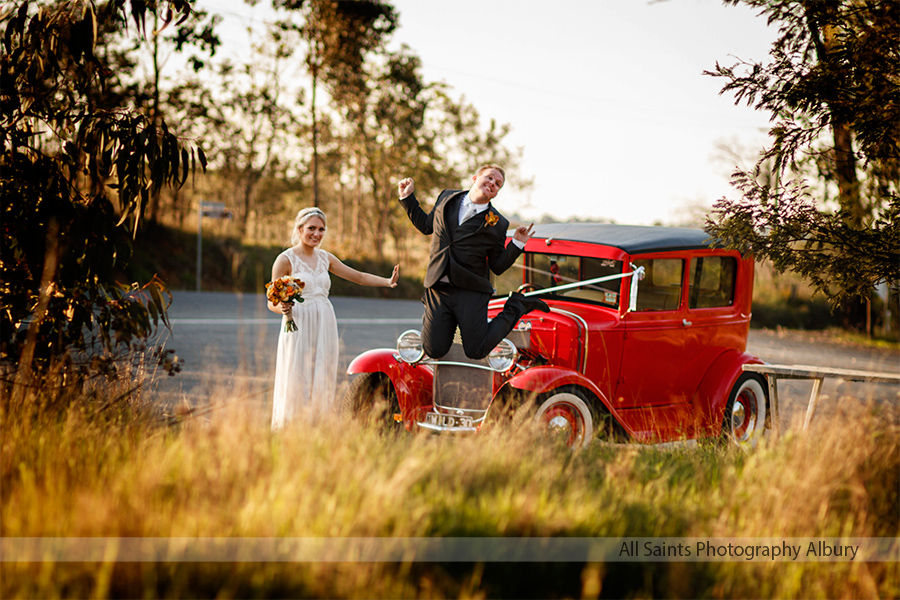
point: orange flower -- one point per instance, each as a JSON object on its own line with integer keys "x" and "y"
{"x": 491, "y": 218}
{"x": 285, "y": 289}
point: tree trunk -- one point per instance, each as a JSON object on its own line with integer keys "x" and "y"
{"x": 314, "y": 73}
{"x": 357, "y": 200}
{"x": 250, "y": 179}
{"x": 854, "y": 310}
{"x": 845, "y": 173}
{"x": 378, "y": 233}
{"x": 153, "y": 209}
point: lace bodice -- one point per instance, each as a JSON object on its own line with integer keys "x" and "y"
{"x": 318, "y": 282}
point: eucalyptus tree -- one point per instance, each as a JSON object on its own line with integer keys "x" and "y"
{"x": 338, "y": 36}
{"x": 247, "y": 113}
{"x": 400, "y": 123}
{"x": 832, "y": 211}
{"x": 258, "y": 122}
{"x": 386, "y": 117}
{"x": 389, "y": 127}
{"x": 471, "y": 142}
{"x": 78, "y": 165}
{"x": 195, "y": 37}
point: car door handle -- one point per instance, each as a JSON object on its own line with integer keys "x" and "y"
{"x": 686, "y": 323}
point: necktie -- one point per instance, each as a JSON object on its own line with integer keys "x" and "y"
{"x": 470, "y": 211}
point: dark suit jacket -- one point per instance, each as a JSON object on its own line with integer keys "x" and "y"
{"x": 463, "y": 252}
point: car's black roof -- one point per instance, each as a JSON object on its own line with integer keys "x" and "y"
{"x": 633, "y": 239}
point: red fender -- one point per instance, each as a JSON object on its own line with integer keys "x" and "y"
{"x": 542, "y": 379}
{"x": 412, "y": 383}
{"x": 711, "y": 396}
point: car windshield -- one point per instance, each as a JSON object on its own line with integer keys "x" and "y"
{"x": 544, "y": 271}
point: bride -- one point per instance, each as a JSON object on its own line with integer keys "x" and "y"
{"x": 307, "y": 359}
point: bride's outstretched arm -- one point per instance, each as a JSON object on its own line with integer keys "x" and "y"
{"x": 350, "y": 274}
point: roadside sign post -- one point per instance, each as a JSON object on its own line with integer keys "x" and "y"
{"x": 216, "y": 210}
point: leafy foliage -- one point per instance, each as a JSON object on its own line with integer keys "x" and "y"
{"x": 831, "y": 210}
{"x": 77, "y": 169}
{"x": 787, "y": 228}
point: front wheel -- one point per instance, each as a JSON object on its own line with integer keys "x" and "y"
{"x": 371, "y": 399}
{"x": 747, "y": 410}
{"x": 565, "y": 415}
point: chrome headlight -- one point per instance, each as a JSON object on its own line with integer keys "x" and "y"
{"x": 409, "y": 346}
{"x": 503, "y": 356}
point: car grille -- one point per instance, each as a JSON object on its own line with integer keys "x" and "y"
{"x": 460, "y": 387}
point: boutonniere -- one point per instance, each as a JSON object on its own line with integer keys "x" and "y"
{"x": 491, "y": 218}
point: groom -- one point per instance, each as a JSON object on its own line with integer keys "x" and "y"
{"x": 469, "y": 236}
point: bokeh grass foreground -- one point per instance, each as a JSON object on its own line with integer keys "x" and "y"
{"x": 101, "y": 470}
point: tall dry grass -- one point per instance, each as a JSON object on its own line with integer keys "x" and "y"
{"x": 116, "y": 472}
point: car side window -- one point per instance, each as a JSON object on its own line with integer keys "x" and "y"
{"x": 551, "y": 270}
{"x": 660, "y": 289}
{"x": 712, "y": 281}
{"x": 605, "y": 292}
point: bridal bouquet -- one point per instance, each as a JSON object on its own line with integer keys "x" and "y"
{"x": 285, "y": 289}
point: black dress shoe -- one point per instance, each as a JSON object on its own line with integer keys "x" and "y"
{"x": 531, "y": 304}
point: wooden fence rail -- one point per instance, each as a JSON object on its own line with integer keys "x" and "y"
{"x": 817, "y": 375}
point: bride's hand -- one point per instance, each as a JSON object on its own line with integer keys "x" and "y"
{"x": 287, "y": 307}
{"x": 394, "y": 277}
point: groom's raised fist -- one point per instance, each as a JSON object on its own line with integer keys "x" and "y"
{"x": 406, "y": 187}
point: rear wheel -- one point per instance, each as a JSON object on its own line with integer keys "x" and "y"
{"x": 565, "y": 415}
{"x": 371, "y": 399}
{"x": 747, "y": 410}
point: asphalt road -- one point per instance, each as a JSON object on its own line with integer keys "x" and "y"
{"x": 227, "y": 344}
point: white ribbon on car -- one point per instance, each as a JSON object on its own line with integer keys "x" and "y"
{"x": 636, "y": 274}
{"x": 632, "y": 297}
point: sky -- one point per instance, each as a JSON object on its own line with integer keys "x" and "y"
{"x": 606, "y": 98}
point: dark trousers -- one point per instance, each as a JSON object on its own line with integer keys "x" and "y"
{"x": 447, "y": 306}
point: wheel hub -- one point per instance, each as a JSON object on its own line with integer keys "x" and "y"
{"x": 559, "y": 425}
{"x": 738, "y": 416}
{"x": 562, "y": 423}
{"x": 744, "y": 415}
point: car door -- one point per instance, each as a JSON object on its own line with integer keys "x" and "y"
{"x": 717, "y": 322}
{"x": 649, "y": 389}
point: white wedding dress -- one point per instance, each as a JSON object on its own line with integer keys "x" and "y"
{"x": 307, "y": 359}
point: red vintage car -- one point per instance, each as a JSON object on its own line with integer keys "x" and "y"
{"x": 644, "y": 341}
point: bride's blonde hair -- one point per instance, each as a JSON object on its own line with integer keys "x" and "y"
{"x": 302, "y": 217}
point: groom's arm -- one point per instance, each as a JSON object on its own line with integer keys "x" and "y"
{"x": 504, "y": 255}
{"x": 421, "y": 220}
{"x": 504, "y": 258}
